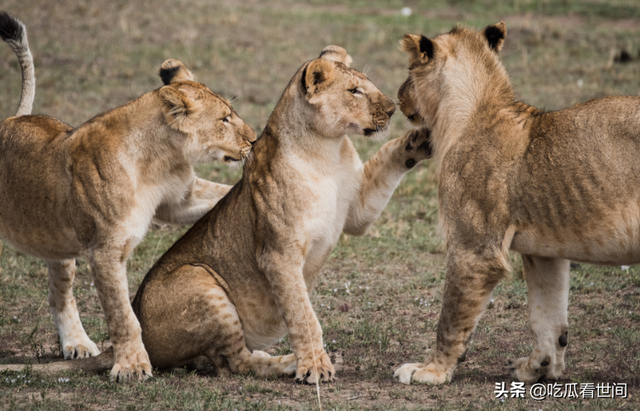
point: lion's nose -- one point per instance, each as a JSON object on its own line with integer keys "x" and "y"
{"x": 390, "y": 107}
{"x": 250, "y": 134}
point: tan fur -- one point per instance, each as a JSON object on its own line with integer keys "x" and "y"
{"x": 94, "y": 190}
{"x": 240, "y": 279}
{"x": 554, "y": 186}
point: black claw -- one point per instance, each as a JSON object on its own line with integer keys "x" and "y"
{"x": 75, "y": 353}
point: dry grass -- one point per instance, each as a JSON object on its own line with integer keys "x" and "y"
{"x": 380, "y": 295}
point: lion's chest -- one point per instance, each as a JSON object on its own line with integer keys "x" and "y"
{"x": 326, "y": 216}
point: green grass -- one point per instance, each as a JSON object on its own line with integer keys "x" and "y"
{"x": 379, "y": 296}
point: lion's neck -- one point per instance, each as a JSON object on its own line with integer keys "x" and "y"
{"x": 295, "y": 138}
{"x": 141, "y": 140}
{"x": 472, "y": 93}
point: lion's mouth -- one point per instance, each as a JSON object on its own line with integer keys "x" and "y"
{"x": 369, "y": 131}
{"x": 229, "y": 159}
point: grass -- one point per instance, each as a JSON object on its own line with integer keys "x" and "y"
{"x": 379, "y": 296}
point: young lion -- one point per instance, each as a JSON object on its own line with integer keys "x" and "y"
{"x": 222, "y": 292}
{"x": 555, "y": 187}
{"x": 94, "y": 190}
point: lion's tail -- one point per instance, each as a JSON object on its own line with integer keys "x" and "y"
{"x": 95, "y": 364}
{"x": 15, "y": 34}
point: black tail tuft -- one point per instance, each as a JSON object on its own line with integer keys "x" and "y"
{"x": 11, "y": 29}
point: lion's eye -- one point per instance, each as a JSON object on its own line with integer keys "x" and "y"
{"x": 355, "y": 90}
{"x": 226, "y": 119}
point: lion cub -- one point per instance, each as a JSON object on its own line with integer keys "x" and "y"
{"x": 92, "y": 191}
{"x": 556, "y": 187}
{"x": 240, "y": 279}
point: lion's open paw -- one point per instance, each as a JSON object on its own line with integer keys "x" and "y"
{"x": 423, "y": 373}
{"x": 82, "y": 348}
{"x": 418, "y": 146}
{"x": 308, "y": 372}
{"x": 132, "y": 367}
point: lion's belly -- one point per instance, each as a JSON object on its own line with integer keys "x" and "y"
{"x": 60, "y": 244}
{"x": 610, "y": 239}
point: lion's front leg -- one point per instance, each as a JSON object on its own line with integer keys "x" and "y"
{"x": 382, "y": 174}
{"x": 548, "y": 294}
{"x": 291, "y": 295}
{"x": 108, "y": 267}
{"x": 471, "y": 277}
{"x": 202, "y": 197}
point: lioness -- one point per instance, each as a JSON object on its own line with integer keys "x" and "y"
{"x": 240, "y": 279}
{"x": 93, "y": 191}
{"x": 554, "y": 186}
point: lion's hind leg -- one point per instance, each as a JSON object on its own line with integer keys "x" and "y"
{"x": 188, "y": 314}
{"x": 548, "y": 293}
{"x": 230, "y": 344}
{"x": 73, "y": 338}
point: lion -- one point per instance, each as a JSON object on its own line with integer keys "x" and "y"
{"x": 94, "y": 190}
{"x": 239, "y": 280}
{"x": 553, "y": 186}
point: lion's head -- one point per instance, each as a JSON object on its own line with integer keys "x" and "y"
{"x": 213, "y": 129}
{"x": 439, "y": 66}
{"x": 340, "y": 99}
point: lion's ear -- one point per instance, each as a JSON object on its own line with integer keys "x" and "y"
{"x": 173, "y": 70}
{"x": 495, "y": 35}
{"x": 336, "y": 53}
{"x": 318, "y": 75}
{"x": 180, "y": 111}
{"x": 419, "y": 48}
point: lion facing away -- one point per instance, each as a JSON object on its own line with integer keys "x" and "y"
{"x": 92, "y": 191}
{"x": 553, "y": 186}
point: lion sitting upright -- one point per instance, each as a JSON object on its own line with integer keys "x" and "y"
{"x": 553, "y": 186}
{"x": 92, "y": 191}
{"x": 240, "y": 279}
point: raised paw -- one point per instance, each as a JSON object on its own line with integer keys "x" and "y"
{"x": 418, "y": 146}
{"x": 423, "y": 373}
{"x": 131, "y": 367}
{"x": 80, "y": 349}
{"x": 309, "y": 372}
